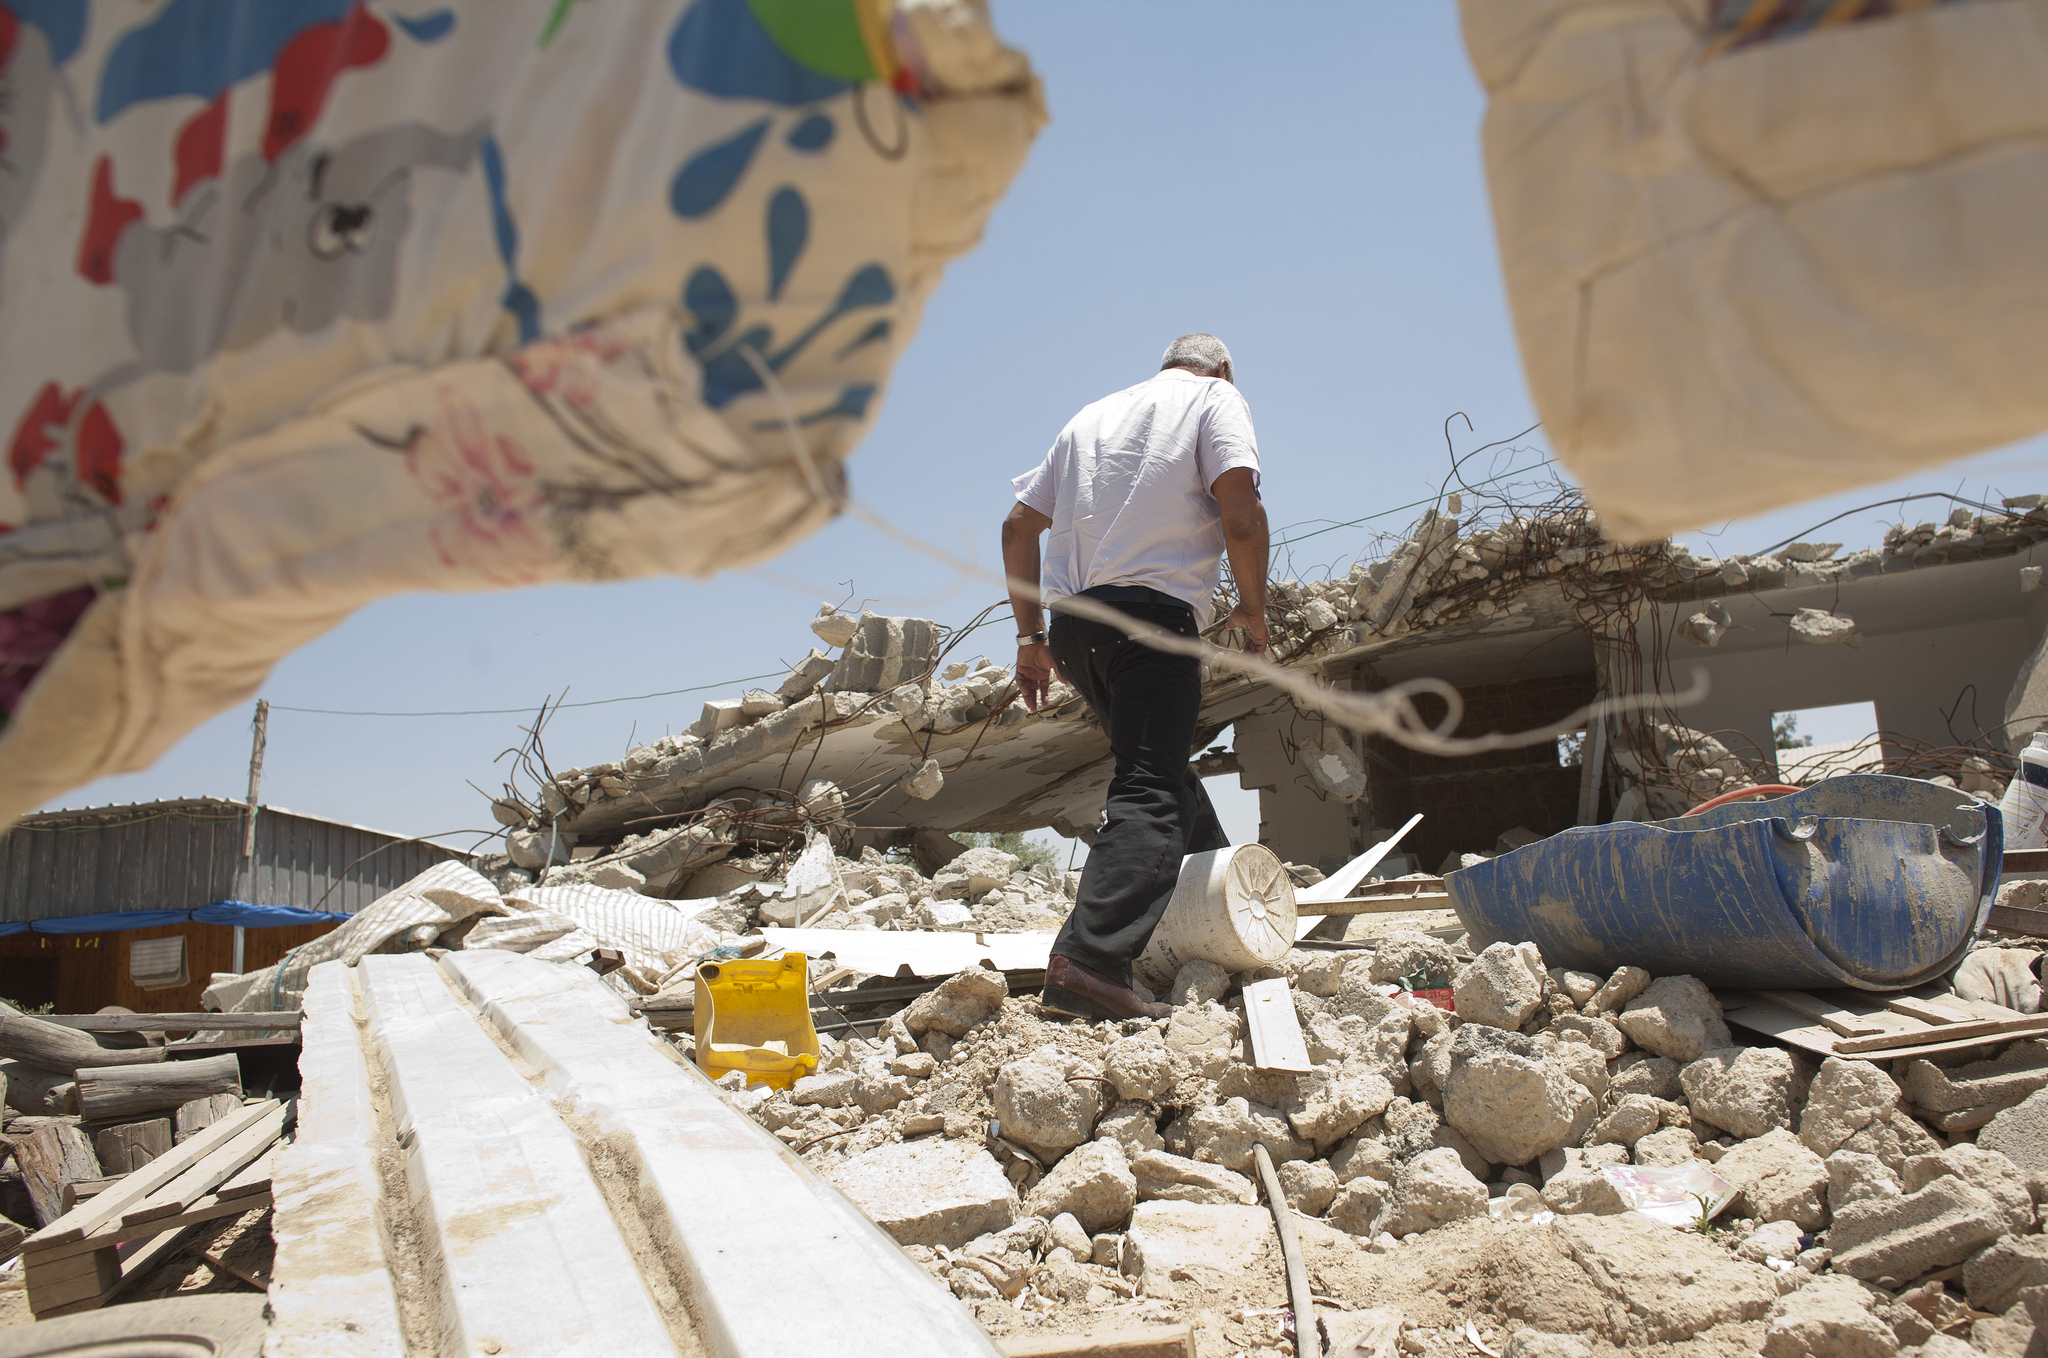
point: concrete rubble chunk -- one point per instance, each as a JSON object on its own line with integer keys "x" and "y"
{"x": 833, "y": 627}
{"x": 1514, "y": 1108}
{"x": 2020, "y": 1133}
{"x": 1133, "y": 1127}
{"x": 1777, "y": 1178}
{"x": 1901, "y": 1238}
{"x": 1163, "y": 1176}
{"x": 1093, "y": 1182}
{"x": 1849, "y": 1107}
{"x": 1994, "y": 1276}
{"x": 805, "y": 676}
{"x": 1582, "y": 1189}
{"x": 1858, "y": 1176}
{"x": 1819, "y": 627}
{"x": 937, "y": 1191}
{"x": 1582, "y": 1064}
{"x": 1633, "y": 1117}
{"x": 1199, "y": 982}
{"x": 1358, "y": 1206}
{"x": 1043, "y": 1110}
{"x": 1225, "y": 1133}
{"x": 1624, "y": 985}
{"x": 1642, "y": 1073}
{"x": 1673, "y": 1284}
{"x": 1496, "y": 989}
{"x": 1065, "y": 1232}
{"x": 1676, "y": 1016}
{"x": 1410, "y": 953}
{"x": 1668, "y": 1146}
{"x": 1986, "y": 1170}
{"x": 881, "y": 653}
{"x": 1772, "y": 1240}
{"x": 1364, "y": 1157}
{"x": 1316, "y": 973}
{"x": 1537, "y": 1344}
{"x": 1310, "y": 1186}
{"x": 1433, "y": 1189}
{"x": 1578, "y": 986}
{"x": 1830, "y": 1317}
{"x": 1141, "y": 1067}
{"x": 961, "y": 1001}
{"x": 985, "y": 868}
{"x": 925, "y": 781}
{"x": 1748, "y": 1090}
{"x": 1601, "y": 1035}
{"x": 1205, "y": 1037}
{"x": 1335, "y": 1102}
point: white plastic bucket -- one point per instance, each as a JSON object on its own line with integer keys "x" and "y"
{"x": 1233, "y": 907}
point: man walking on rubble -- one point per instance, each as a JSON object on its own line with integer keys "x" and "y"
{"x": 1144, "y": 491}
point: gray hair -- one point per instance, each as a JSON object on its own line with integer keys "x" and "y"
{"x": 1200, "y": 353}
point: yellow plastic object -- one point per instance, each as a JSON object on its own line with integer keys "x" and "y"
{"x": 754, "y": 1015}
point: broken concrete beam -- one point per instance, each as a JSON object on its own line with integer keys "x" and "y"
{"x": 1901, "y": 1238}
{"x": 805, "y": 676}
{"x": 2020, "y": 1133}
{"x": 883, "y": 653}
{"x": 2002, "y": 1082}
{"x": 936, "y": 1191}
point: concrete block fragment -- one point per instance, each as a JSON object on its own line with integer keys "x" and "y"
{"x": 805, "y": 676}
{"x": 1538, "y": 1344}
{"x": 1041, "y": 1109}
{"x": 759, "y": 703}
{"x": 2020, "y": 1133}
{"x": 1901, "y": 1238}
{"x": 1830, "y": 1317}
{"x": 1163, "y": 1176}
{"x": 1433, "y": 1189}
{"x": 1772, "y": 1240}
{"x": 1198, "y": 982}
{"x": 1673, "y": 1284}
{"x": 1748, "y": 1090}
{"x": 1675, "y": 1016}
{"x": 1641, "y": 1073}
{"x": 1633, "y": 1117}
{"x": 1205, "y": 1037}
{"x": 1093, "y": 1183}
{"x": 963, "y": 1000}
{"x": 1777, "y": 1179}
{"x": 1668, "y": 1146}
{"x": 1141, "y": 1067}
{"x": 1514, "y": 1108}
{"x": 1582, "y": 1189}
{"x": 1310, "y": 1186}
{"x": 833, "y": 627}
{"x": 1133, "y": 1127}
{"x": 1578, "y": 986}
{"x": 1986, "y": 1170}
{"x": 1850, "y": 1106}
{"x": 1857, "y": 1176}
{"x": 1624, "y": 985}
{"x": 938, "y": 1191}
{"x": 1496, "y": 989}
{"x": 1336, "y": 1101}
{"x": 1359, "y": 1205}
{"x": 883, "y": 653}
{"x": 1600, "y": 1034}
{"x": 1409, "y": 953}
{"x": 1819, "y": 627}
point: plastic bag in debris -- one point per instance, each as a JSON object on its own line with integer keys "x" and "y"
{"x": 1758, "y": 252}
{"x": 1677, "y": 1195}
{"x": 444, "y": 894}
{"x": 653, "y": 935}
{"x": 1520, "y": 1203}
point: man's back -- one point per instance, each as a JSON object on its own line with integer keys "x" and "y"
{"x": 1128, "y": 482}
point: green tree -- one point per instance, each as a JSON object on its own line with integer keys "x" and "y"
{"x": 1785, "y": 732}
{"x": 1030, "y": 854}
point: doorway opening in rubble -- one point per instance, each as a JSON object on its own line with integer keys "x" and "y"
{"x": 1812, "y": 743}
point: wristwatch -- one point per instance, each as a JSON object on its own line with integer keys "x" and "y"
{"x": 1031, "y": 639}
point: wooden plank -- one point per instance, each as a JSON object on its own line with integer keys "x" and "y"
{"x": 1928, "y": 1011}
{"x": 195, "y": 1117}
{"x": 2026, "y": 860}
{"x": 208, "y": 1208}
{"x": 122, "y": 1091}
{"x": 66, "y": 1282}
{"x": 213, "y": 1171}
{"x": 39, "y": 1092}
{"x": 131, "y": 1145}
{"x": 181, "y": 1023}
{"x": 1144, "y": 1341}
{"x": 2015, "y": 919}
{"x": 50, "y": 1157}
{"x": 1387, "y": 905}
{"x": 60, "y": 1049}
{"x": 1274, "y": 1028}
{"x": 1982, "y": 1028}
{"x": 79, "y": 1190}
{"x": 1836, "y": 1019}
{"x": 1397, "y": 886}
{"x": 90, "y": 1215}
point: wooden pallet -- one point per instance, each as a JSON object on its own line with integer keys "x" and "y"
{"x": 1858, "y": 1024}
{"x": 86, "y": 1257}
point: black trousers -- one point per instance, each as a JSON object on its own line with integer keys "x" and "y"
{"x": 1149, "y": 702}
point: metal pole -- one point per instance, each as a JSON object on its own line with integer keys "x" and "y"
{"x": 249, "y": 828}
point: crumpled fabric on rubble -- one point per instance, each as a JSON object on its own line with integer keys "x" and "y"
{"x": 304, "y": 303}
{"x": 443, "y": 895}
{"x": 2004, "y": 976}
{"x": 1759, "y": 251}
{"x": 653, "y": 935}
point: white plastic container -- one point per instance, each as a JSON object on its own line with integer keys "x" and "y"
{"x": 2025, "y": 804}
{"x": 1233, "y": 907}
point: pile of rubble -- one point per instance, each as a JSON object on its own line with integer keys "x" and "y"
{"x": 1043, "y": 1167}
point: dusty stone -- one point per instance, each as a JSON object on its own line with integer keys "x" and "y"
{"x": 937, "y": 1191}
{"x": 1358, "y": 1206}
{"x": 1309, "y": 1185}
{"x": 1579, "y": 1188}
{"x": 1995, "y": 1274}
{"x": 1668, "y": 1146}
{"x": 1642, "y": 1073}
{"x": 1205, "y": 1037}
{"x": 2020, "y": 1133}
{"x": 985, "y": 869}
{"x": 1496, "y": 989}
{"x": 915, "y": 1065}
{"x": 1411, "y": 953}
{"x": 1748, "y": 1090}
{"x": 1850, "y": 1107}
{"x": 1364, "y": 1158}
{"x": 1675, "y": 1016}
{"x": 961, "y": 1001}
{"x": 1772, "y": 1240}
{"x": 2002, "y": 1082}
{"x": 1624, "y": 985}
{"x": 1201, "y": 1237}
{"x": 1316, "y": 973}
{"x": 1554, "y": 1163}
{"x": 1777, "y": 1179}
{"x": 1578, "y": 986}
{"x": 1335, "y": 1102}
{"x": 1631, "y": 1119}
{"x": 1582, "y": 1063}
{"x": 1093, "y": 1182}
{"x": 1432, "y": 1065}
{"x": 1817, "y": 626}
{"x": 1601, "y": 1035}
{"x": 1673, "y": 1284}
{"x": 1132, "y": 1126}
{"x": 1140, "y": 1066}
{"x": 1987, "y": 1171}
{"x": 1066, "y": 1232}
{"x": 1162, "y": 1176}
{"x": 1358, "y": 997}
{"x": 1513, "y": 1108}
{"x": 1537, "y": 1344}
{"x": 1830, "y": 1317}
{"x": 1902, "y": 1238}
{"x": 1854, "y": 1176}
{"x": 1476, "y": 1165}
{"x": 1225, "y": 1133}
{"x": 1040, "y": 1108}
{"x": 1199, "y": 982}
{"x": 1432, "y": 1190}
{"x": 835, "y": 1090}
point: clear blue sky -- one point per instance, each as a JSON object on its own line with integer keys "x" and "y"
{"x": 1304, "y": 181}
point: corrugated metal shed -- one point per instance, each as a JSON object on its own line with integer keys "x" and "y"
{"x": 180, "y": 855}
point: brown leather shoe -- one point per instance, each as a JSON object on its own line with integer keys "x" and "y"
{"x": 1083, "y": 992}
